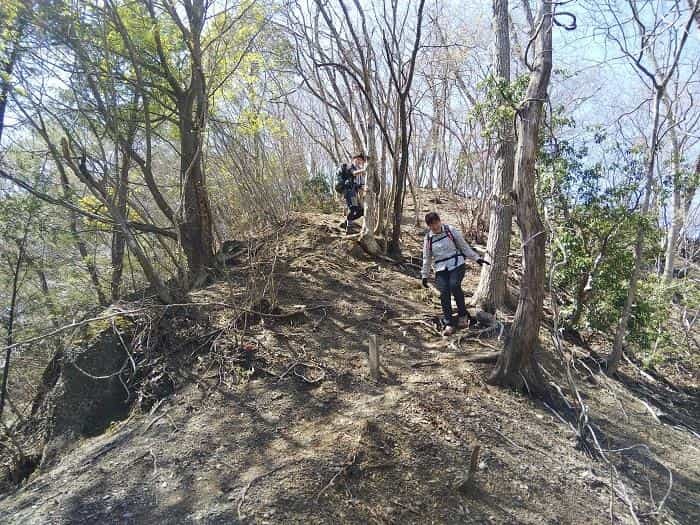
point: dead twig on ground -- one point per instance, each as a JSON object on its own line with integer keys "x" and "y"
{"x": 303, "y": 377}
{"x": 342, "y": 470}
{"x": 293, "y": 368}
{"x": 513, "y": 443}
{"x": 154, "y": 421}
{"x": 422, "y": 364}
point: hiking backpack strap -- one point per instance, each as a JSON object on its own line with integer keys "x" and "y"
{"x": 449, "y": 235}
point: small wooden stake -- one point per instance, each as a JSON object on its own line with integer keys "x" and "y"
{"x": 373, "y": 357}
{"x": 466, "y": 484}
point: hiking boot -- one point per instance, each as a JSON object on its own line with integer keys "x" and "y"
{"x": 463, "y": 321}
{"x": 448, "y": 330}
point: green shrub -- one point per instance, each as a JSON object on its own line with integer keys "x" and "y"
{"x": 314, "y": 194}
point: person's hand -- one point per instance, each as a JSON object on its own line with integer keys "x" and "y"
{"x": 481, "y": 262}
{"x": 425, "y": 282}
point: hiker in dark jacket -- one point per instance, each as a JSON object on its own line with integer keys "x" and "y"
{"x": 446, "y": 249}
{"x": 353, "y": 184}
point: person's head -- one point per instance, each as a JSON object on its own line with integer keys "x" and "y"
{"x": 432, "y": 219}
{"x": 359, "y": 160}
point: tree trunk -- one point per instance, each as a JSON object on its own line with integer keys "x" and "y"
{"x": 696, "y": 14}
{"x": 689, "y": 194}
{"x": 80, "y": 244}
{"x": 619, "y": 342}
{"x": 383, "y": 188}
{"x": 371, "y": 220}
{"x": 400, "y": 172}
{"x": 659, "y": 87}
{"x": 196, "y": 228}
{"x": 585, "y": 288}
{"x": 370, "y": 223}
{"x": 516, "y": 366}
{"x": 11, "y": 319}
{"x": 678, "y": 214}
{"x": 118, "y": 239}
{"x": 153, "y": 278}
{"x": 492, "y": 290}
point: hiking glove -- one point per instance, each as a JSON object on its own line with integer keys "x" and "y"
{"x": 425, "y": 282}
{"x": 481, "y": 262}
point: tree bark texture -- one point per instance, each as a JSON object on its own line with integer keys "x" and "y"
{"x": 492, "y": 290}
{"x": 516, "y": 365}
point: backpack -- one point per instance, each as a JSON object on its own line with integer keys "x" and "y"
{"x": 341, "y": 177}
{"x": 449, "y": 234}
{"x": 448, "y": 231}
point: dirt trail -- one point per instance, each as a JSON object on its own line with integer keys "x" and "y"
{"x": 323, "y": 442}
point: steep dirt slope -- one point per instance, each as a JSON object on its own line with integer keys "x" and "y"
{"x": 280, "y": 421}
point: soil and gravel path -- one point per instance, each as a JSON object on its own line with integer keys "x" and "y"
{"x": 310, "y": 436}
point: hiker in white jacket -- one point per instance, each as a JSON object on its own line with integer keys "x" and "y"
{"x": 445, "y": 248}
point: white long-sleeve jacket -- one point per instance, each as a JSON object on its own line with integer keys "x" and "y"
{"x": 440, "y": 250}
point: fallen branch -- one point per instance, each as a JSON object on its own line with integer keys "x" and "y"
{"x": 154, "y": 421}
{"x": 70, "y": 326}
{"x": 132, "y": 312}
{"x": 480, "y": 342}
{"x": 483, "y": 357}
{"x": 422, "y": 364}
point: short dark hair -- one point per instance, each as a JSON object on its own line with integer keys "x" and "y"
{"x": 431, "y": 217}
{"x": 359, "y": 156}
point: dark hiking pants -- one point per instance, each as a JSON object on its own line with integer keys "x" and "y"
{"x": 354, "y": 209}
{"x": 449, "y": 282}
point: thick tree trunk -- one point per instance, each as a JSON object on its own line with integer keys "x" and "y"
{"x": 195, "y": 229}
{"x": 516, "y": 366}
{"x": 5, "y": 87}
{"x": 370, "y": 223}
{"x": 492, "y": 290}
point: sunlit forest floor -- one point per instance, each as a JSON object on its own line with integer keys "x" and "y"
{"x": 279, "y": 421}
